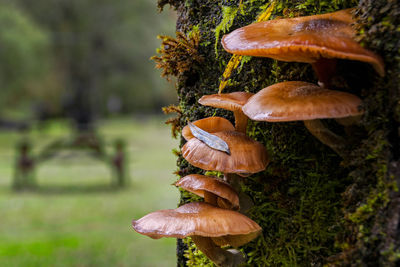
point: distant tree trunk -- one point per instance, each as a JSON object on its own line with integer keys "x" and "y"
{"x": 314, "y": 207}
{"x": 79, "y": 68}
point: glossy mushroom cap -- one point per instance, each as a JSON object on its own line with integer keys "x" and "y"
{"x": 198, "y": 219}
{"x": 291, "y": 101}
{"x": 231, "y": 101}
{"x": 246, "y": 155}
{"x": 302, "y": 39}
{"x": 210, "y": 125}
{"x": 201, "y": 185}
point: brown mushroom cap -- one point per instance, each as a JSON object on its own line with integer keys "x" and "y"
{"x": 231, "y": 101}
{"x": 210, "y": 125}
{"x": 198, "y": 184}
{"x": 302, "y": 39}
{"x": 197, "y": 219}
{"x": 291, "y": 101}
{"x": 247, "y": 155}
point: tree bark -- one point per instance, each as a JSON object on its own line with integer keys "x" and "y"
{"x": 315, "y": 208}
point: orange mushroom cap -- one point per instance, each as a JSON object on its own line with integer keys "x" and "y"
{"x": 246, "y": 155}
{"x": 198, "y": 219}
{"x": 302, "y": 39}
{"x": 231, "y": 101}
{"x": 291, "y": 101}
{"x": 198, "y": 184}
{"x": 210, "y": 125}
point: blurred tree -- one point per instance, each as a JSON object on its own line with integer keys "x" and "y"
{"x": 103, "y": 49}
{"x": 25, "y": 60}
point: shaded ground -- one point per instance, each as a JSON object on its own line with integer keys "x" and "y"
{"x": 75, "y": 218}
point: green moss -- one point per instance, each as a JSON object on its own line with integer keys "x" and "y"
{"x": 392, "y": 254}
{"x": 245, "y": 59}
{"x": 228, "y": 15}
{"x": 194, "y": 256}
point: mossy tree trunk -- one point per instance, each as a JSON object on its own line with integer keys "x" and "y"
{"x": 315, "y": 208}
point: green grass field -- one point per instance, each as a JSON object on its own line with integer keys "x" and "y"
{"x": 75, "y": 218}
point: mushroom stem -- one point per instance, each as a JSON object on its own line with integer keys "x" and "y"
{"x": 225, "y": 204}
{"x": 323, "y": 134}
{"x": 210, "y": 198}
{"x": 348, "y": 121}
{"x": 233, "y": 180}
{"x": 325, "y": 68}
{"x": 240, "y": 121}
{"x": 216, "y": 254}
{"x": 245, "y": 202}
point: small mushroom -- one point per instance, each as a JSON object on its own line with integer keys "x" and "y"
{"x": 231, "y": 101}
{"x": 202, "y": 222}
{"x": 246, "y": 157}
{"x": 318, "y": 39}
{"x": 293, "y": 101}
{"x": 215, "y": 191}
{"x": 210, "y": 125}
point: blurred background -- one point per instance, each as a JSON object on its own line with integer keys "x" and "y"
{"x": 83, "y": 145}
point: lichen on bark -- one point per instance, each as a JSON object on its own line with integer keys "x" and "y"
{"x": 314, "y": 207}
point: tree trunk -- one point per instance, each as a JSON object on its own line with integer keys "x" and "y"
{"x": 315, "y": 208}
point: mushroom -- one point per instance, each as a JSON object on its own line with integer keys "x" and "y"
{"x": 214, "y": 191}
{"x": 294, "y": 100}
{"x": 203, "y": 223}
{"x": 318, "y": 40}
{"x": 233, "y": 102}
{"x": 246, "y": 157}
{"x": 210, "y": 125}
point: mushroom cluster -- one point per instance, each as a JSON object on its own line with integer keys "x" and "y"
{"x": 219, "y": 221}
{"x": 319, "y": 40}
{"x": 216, "y": 222}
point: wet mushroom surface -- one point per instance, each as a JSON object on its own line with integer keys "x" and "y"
{"x": 317, "y": 39}
{"x": 246, "y": 155}
{"x": 295, "y": 100}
